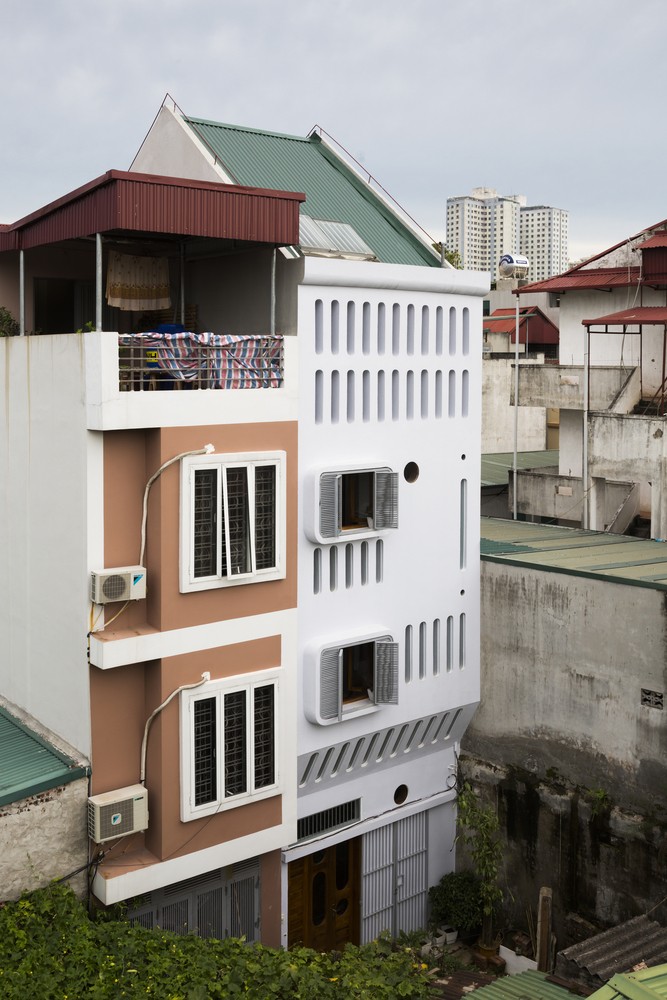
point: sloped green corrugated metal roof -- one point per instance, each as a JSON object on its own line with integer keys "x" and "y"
{"x": 334, "y": 192}
{"x": 644, "y": 984}
{"x": 28, "y": 764}
{"x": 529, "y": 985}
{"x": 574, "y": 551}
{"x": 495, "y": 467}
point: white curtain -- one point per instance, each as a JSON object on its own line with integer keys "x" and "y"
{"x": 137, "y": 283}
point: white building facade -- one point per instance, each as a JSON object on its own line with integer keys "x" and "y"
{"x": 484, "y": 225}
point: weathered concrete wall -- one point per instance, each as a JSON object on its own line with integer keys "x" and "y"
{"x": 577, "y": 764}
{"x": 42, "y": 838}
{"x": 498, "y": 415}
{"x": 604, "y": 864}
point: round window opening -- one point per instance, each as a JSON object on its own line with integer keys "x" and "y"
{"x": 411, "y": 472}
{"x": 401, "y": 794}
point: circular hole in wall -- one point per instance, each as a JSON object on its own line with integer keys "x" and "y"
{"x": 463, "y": 457}
{"x": 401, "y": 794}
{"x": 462, "y": 593}
{"x": 411, "y": 472}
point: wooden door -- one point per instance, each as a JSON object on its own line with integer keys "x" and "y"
{"x": 323, "y": 898}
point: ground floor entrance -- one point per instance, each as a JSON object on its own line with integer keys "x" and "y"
{"x": 324, "y": 896}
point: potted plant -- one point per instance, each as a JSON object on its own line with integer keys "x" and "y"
{"x": 479, "y": 827}
{"x": 456, "y": 904}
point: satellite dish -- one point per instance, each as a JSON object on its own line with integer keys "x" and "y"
{"x": 513, "y": 266}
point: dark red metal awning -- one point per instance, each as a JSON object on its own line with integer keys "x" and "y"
{"x": 121, "y": 201}
{"x": 640, "y": 316}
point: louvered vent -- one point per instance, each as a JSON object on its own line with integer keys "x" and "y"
{"x": 329, "y": 819}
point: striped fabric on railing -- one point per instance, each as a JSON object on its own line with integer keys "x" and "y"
{"x": 213, "y": 361}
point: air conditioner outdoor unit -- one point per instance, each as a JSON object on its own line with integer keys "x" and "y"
{"x": 117, "y": 813}
{"x": 125, "y": 583}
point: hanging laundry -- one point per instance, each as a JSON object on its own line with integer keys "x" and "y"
{"x": 136, "y": 283}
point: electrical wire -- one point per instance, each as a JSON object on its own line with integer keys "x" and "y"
{"x": 144, "y": 743}
{"x": 206, "y": 450}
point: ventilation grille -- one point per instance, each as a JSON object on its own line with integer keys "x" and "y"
{"x": 329, "y": 819}
{"x": 652, "y": 699}
{"x": 347, "y": 760}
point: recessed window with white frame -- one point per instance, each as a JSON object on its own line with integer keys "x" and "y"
{"x": 356, "y": 501}
{"x": 229, "y": 752}
{"x": 232, "y": 520}
{"x": 356, "y": 677}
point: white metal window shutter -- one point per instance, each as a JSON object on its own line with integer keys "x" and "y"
{"x": 330, "y": 692}
{"x": 386, "y": 673}
{"x": 386, "y": 500}
{"x": 330, "y": 485}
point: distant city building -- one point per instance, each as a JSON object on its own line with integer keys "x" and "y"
{"x": 484, "y": 225}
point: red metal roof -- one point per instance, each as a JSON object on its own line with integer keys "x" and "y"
{"x": 540, "y": 330}
{"x": 657, "y": 240}
{"x": 598, "y": 277}
{"x": 640, "y": 316}
{"x": 133, "y": 202}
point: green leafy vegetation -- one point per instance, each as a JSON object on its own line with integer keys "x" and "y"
{"x": 456, "y": 902}
{"x": 8, "y": 325}
{"x": 51, "y": 950}
{"x": 479, "y": 831}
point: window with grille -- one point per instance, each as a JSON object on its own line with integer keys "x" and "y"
{"x": 232, "y": 524}
{"x": 359, "y": 501}
{"x": 228, "y": 744}
{"x": 354, "y": 678}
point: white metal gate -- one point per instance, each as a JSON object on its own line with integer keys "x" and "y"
{"x": 394, "y": 892}
{"x": 210, "y": 905}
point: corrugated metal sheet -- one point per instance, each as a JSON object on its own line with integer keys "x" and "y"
{"x": 594, "y": 554}
{"x": 599, "y": 277}
{"x": 495, "y": 468}
{"x": 529, "y": 985}
{"x": 657, "y": 240}
{"x": 540, "y": 329}
{"x": 28, "y": 764}
{"x": 459, "y": 984}
{"x": 644, "y": 984}
{"x": 641, "y": 315}
{"x": 334, "y": 192}
{"x": 144, "y": 203}
{"x": 615, "y": 950}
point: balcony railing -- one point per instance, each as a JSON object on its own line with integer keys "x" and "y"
{"x": 149, "y": 361}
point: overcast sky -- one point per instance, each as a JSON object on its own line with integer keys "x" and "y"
{"x": 560, "y": 100}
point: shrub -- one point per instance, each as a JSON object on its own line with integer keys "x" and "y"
{"x": 456, "y": 901}
{"x": 8, "y": 325}
{"x": 50, "y": 949}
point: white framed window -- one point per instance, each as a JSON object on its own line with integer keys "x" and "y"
{"x": 359, "y": 501}
{"x": 232, "y": 520}
{"x": 354, "y": 678}
{"x": 229, "y": 751}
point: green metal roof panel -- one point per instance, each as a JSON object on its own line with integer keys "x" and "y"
{"x": 28, "y": 764}
{"x": 644, "y": 984}
{"x": 596, "y": 554}
{"x": 530, "y": 984}
{"x": 334, "y": 192}
{"x": 495, "y": 467}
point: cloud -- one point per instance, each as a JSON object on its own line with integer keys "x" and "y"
{"x": 548, "y": 98}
